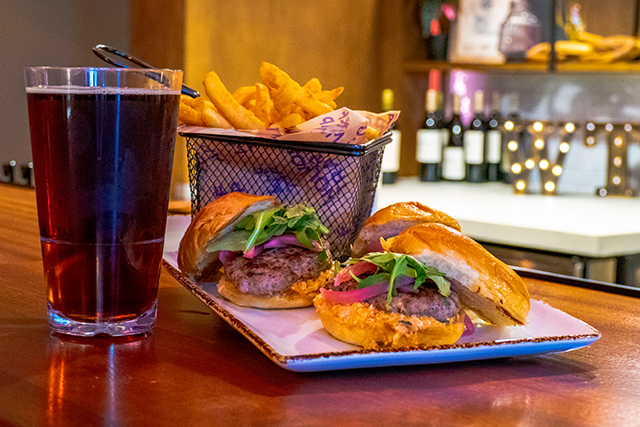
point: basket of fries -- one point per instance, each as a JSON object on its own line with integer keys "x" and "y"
{"x": 329, "y": 158}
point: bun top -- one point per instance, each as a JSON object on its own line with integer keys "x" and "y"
{"x": 393, "y": 219}
{"x": 487, "y": 285}
{"x": 410, "y": 211}
{"x": 214, "y": 221}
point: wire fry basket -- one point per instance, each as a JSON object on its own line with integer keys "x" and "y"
{"x": 339, "y": 180}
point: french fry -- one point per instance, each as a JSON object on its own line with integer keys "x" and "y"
{"x": 276, "y": 78}
{"x": 236, "y": 114}
{"x": 244, "y": 94}
{"x": 284, "y": 100}
{"x": 189, "y": 115}
{"x": 202, "y": 104}
{"x": 328, "y": 96}
{"x": 264, "y": 108}
{"x": 213, "y": 119}
{"x": 186, "y": 99}
{"x": 277, "y": 101}
{"x": 313, "y": 85}
{"x": 290, "y": 121}
{"x": 371, "y": 133}
{"x": 208, "y": 116}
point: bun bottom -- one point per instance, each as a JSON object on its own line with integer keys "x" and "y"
{"x": 301, "y": 294}
{"x": 368, "y": 327}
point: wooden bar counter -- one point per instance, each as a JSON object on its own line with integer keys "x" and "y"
{"x": 194, "y": 369}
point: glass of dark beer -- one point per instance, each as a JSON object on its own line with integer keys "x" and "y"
{"x": 102, "y": 141}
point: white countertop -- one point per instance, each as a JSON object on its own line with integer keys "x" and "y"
{"x": 572, "y": 224}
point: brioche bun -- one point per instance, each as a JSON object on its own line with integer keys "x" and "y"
{"x": 485, "y": 284}
{"x": 392, "y": 220}
{"x": 214, "y": 221}
{"x": 364, "y": 325}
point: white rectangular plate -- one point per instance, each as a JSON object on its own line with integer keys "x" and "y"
{"x": 295, "y": 339}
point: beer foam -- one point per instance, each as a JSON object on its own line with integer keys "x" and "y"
{"x": 99, "y": 90}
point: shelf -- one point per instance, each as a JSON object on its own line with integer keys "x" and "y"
{"x": 525, "y": 67}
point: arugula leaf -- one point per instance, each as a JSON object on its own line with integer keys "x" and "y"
{"x": 255, "y": 229}
{"x": 399, "y": 269}
{"x": 230, "y": 242}
{"x": 374, "y": 279}
{"x": 398, "y": 265}
{"x": 336, "y": 268}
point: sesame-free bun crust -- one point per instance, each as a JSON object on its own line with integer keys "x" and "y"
{"x": 364, "y": 325}
{"x": 392, "y": 220}
{"x": 214, "y": 221}
{"x": 486, "y": 285}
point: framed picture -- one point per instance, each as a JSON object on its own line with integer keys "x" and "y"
{"x": 476, "y": 34}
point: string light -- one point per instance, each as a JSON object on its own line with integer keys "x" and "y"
{"x": 516, "y": 168}
{"x": 618, "y": 141}
{"x": 539, "y": 144}
{"x": 569, "y": 127}
{"x": 616, "y": 180}
{"x": 529, "y": 164}
{"x": 590, "y": 126}
{"x": 549, "y": 186}
{"x": 544, "y": 164}
{"x": 564, "y": 147}
{"x": 509, "y": 125}
{"x": 520, "y": 185}
{"x": 512, "y": 145}
{"x": 591, "y": 140}
{"x": 537, "y": 126}
{"x": 556, "y": 170}
{"x": 609, "y": 127}
{"x": 627, "y": 127}
{"x": 617, "y": 161}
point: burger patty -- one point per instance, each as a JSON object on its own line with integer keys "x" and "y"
{"x": 274, "y": 270}
{"x": 426, "y": 302}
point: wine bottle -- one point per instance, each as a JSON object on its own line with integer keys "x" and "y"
{"x": 474, "y": 141}
{"x": 453, "y": 165}
{"x": 429, "y": 141}
{"x": 391, "y": 157}
{"x": 493, "y": 140}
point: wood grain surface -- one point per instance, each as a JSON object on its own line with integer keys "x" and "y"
{"x": 194, "y": 369}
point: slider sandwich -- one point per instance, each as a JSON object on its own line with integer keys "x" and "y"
{"x": 393, "y": 219}
{"x": 262, "y": 254}
{"x": 416, "y": 291}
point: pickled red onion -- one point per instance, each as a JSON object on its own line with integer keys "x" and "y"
{"x": 355, "y": 295}
{"x": 469, "y": 327}
{"x": 357, "y": 269}
{"x": 289, "y": 240}
{"x": 226, "y": 256}
{"x": 404, "y": 283}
